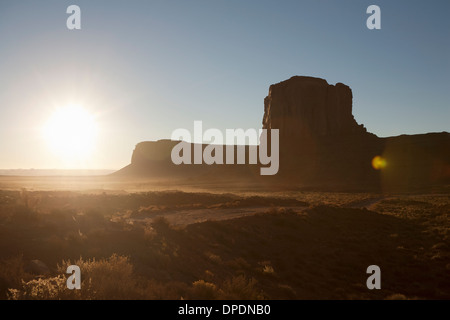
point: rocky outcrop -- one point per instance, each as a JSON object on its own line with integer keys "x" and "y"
{"x": 305, "y": 107}
{"x": 152, "y": 159}
{"x": 147, "y": 151}
{"x": 416, "y": 161}
{"x": 320, "y": 141}
{"x": 321, "y": 146}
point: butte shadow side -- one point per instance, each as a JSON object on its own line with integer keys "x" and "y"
{"x": 321, "y": 147}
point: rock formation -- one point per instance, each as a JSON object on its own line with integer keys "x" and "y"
{"x": 302, "y": 107}
{"x": 320, "y": 141}
{"x": 152, "y": 159}
{"x": 321, "y": 146}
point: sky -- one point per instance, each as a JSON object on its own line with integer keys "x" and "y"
{"x": 146, "y": 68}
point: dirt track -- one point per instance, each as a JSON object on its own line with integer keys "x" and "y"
{"x": 186, "y": 217}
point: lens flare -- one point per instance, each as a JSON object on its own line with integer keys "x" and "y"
{"x": 379, "y": 163}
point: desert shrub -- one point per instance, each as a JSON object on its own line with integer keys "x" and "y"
{"x": 111, "y": 278}
{"x": 288, "y": 291}
{"x": 268, "y": 269}
{"x": 107, "y": 279}
{"x": 42, "y": 289}
{"x": 202, "y": 290}
{"x": 161, "y": 224}
{"x": 241, "y": 288}
{"x": 239, "y": 264}
{"x": 11, "y": 274}
{"x": 213, "y": 257}
{"x": 397, "y": 296}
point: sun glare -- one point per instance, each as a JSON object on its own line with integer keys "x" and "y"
{"x": 379, "y": 163}
{"x": 71, "y": 132}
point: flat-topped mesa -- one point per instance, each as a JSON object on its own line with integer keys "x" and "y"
{"x": 307, "y": 107}
{"x": 152, "y": 151}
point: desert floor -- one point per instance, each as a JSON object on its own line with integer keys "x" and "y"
{"x": 162, "y": 240}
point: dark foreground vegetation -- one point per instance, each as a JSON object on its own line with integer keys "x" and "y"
{"x": 302, "y": 246}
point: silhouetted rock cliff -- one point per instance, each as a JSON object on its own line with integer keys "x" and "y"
{"x": 152, "y": 159}
{"x": 321, "y": 146}
{"x": 302, "y": 107}
{"x": 320, "y": 141}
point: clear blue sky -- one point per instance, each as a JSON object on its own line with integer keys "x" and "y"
{"x": 145, "y": 68}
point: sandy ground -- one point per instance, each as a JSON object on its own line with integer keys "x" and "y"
{"x": 114, "y": 185}
{"x": 186, "y": 217}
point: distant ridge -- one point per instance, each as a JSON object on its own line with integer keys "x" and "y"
{"x": 53, "y": 172}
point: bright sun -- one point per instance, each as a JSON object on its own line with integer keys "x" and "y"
{"x": 71, "y": 132}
